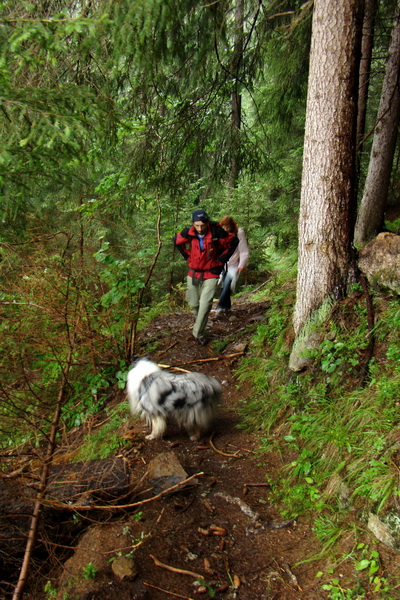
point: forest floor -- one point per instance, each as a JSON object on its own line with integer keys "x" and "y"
{"x": 222, "y": 530}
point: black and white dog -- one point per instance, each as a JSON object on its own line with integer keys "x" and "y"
{"x": 188, "y": 398}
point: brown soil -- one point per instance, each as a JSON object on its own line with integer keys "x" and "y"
{"x": 224, "y": 527}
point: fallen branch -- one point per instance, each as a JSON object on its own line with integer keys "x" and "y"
{"x": 280, "y": 525}
{"x": 125, "y": 549}
{"x": 219, "y": 451}
{"x": 158, "y": 563}
{"x": 15, "y": 473}
{"x": 202, "y": 360}
{"x": 260, "y": 286}
{"x": 257, "y": 485}
{"x": 169, "y": 347}
{"x": 166, "y": 591}
{"x": 102, "y": 422}
{"x": 80, "y": 509}
{"x": 245, "y": 508}
{"x": 292, "y": 576}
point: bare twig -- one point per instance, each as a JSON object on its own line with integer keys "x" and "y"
{"x": 158, "y": 563}
{"x": 43, "y": 482}
{"x": 80, "y": 509}
{"x": 219, "y": 451}
{"x": 280, "y": 525}
{"x": 13, "y": 303}
{"x": 202, "y": 360}
{"x": 245, "y": 508}
{"x": 101, "y": 423}
{"x": 292, "y": 576}
{"x": 132, "y": 337}
{"x": 125, "y": 549}
{"x": 166, "y": 591}
{"x": 260, "y": 286}
{"x": 257, "y": 485}
{"x": 169, "y": 347}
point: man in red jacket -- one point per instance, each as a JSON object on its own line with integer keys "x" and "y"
{"x": 207, "y": 247}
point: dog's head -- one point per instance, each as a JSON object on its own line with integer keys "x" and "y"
{"x": 142, "y": 367}
{"x": 136, "y": 359}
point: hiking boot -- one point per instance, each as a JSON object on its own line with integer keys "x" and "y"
{"x": 202, "y": 340}
{"x": 219, "y": 311}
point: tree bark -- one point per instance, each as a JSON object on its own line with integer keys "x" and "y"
{"x": 236, "y": 98}
{"x": 327, "y": 194}
{"x": 365, "y": 67}
{"x": 371, "y": 213}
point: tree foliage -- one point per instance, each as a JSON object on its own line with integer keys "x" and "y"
{"x": 118, "y": 119}
{"x": 113, "y": 112}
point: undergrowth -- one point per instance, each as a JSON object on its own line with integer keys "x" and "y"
{"x": 336, "y": 430}
{"x": 105, "y": 441}
{"x": 338, "y": 433}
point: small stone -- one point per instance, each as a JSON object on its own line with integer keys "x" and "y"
{"x": 380, "y": 530}
{"x": 165, "y": 471}
{"x": 124, "y": 567}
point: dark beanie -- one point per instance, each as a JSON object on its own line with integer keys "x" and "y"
{"x": 200, "y": 215}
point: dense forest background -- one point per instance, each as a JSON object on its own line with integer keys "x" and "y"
{"x": 117, "y": 120}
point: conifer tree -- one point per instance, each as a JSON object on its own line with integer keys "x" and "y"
{"x": 371, "y": 212}
{"x": 327, "y": 196}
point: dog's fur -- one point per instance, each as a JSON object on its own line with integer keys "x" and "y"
{"x": 188, "y": 398}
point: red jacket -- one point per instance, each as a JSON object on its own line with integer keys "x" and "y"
{"x": 218, "y": 247}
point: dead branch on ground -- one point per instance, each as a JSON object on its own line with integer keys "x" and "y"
{"x": 158, "y": 563}
{"x": 154, "y": 587}
{"x": 80, "y": 509}
{"x": 202, "y": 360}
{"x": 219, "y": 451}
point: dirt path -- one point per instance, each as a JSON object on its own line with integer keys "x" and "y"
{"x": 224, "y": 527}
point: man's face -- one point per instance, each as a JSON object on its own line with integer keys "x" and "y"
{"x": 200, "y": 227}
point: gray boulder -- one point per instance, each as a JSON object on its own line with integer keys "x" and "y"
{"x": 379, "y": 261}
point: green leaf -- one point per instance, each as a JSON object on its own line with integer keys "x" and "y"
{"x": 363, "y": 564}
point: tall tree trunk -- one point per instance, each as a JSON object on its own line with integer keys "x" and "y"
{"x": 327, "y": 194}
{"x": 236, "y": 98}
{"x": 365, "y": 66}
{"x": 371, "y": 213}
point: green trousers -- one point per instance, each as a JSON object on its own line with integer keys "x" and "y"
{"x": 200, "y": 298}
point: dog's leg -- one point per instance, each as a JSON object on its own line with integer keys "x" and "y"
{"x": 158, "y": 427}
{"x": 195, "y": 433}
